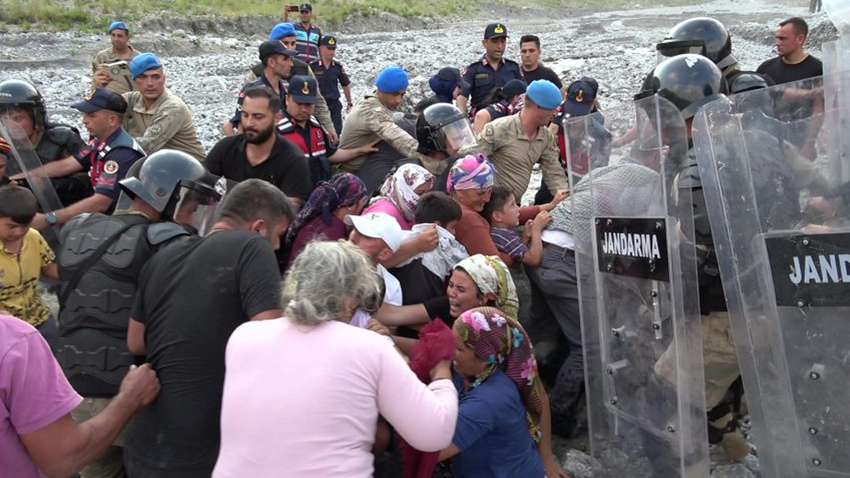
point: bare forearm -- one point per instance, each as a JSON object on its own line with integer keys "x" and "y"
{"x": 461, "y": 103}
{"x": 347, "y": 91}
{"x": 98, "y": 433}
{"x": 544, "y": 445}
{"x": 344, "y": 155}
{"x": 395, "y": 315}
{"x": 534, "y": 256}
{"x": 95, "y": 203}
{"x": 408, "y": 249}
{"x": 55, "y": 169}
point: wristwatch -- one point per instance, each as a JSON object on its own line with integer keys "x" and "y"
{"x": 51, "y": 218}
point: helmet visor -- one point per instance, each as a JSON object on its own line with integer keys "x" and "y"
{"x": 196, "y": 206}
{"x": 459, "y": 137}
{"x": 668, "y": 49}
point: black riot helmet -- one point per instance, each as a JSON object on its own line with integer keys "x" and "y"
{"x": 22, "y": 94}
{"x": 703, "y": 36}
{"x": 688, "y": 81}
{"x": 176, "y": 185}
{"x": 443, "y": 128}
{"x": 747, "y": 81}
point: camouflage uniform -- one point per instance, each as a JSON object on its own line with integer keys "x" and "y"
{"x": 120, "y": 85}
{"x": 322, "y": 113}
{"x": 368, "y": 122}
{"x": 166, "y": 125}
{"x": 504, "y": 142}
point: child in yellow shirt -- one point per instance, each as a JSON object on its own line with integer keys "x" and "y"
{"x": 24, "y": 256}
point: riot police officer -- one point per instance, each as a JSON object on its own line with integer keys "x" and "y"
{"x": 100, "y": 260}
{"x": 22, "y": 104}
{"x": 707, "y": 37}
{"x": 442, "y": 131}
{"x": 690, "y": 81}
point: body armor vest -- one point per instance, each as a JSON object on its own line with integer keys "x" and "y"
{"x": 93, "y": 317}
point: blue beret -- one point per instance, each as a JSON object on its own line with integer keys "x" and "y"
{"x": 118, "y": 26}
{"x": 143, "y": 63}
{"x": 544, "y": 94}
{"x": 282, "y": 30}
{"x": 392, "y": 80}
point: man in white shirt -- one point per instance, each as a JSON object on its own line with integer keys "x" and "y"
{"x": 379, "y": 236}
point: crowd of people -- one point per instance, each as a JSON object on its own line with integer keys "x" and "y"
{"x": 318, "y": 290}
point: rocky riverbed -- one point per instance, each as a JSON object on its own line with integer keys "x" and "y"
{"x": 206, "y": 61}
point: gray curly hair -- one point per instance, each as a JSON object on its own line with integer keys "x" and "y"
{"x": 322, "y": 277}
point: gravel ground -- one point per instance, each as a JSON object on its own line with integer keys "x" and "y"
{"x": 616, "y": 47}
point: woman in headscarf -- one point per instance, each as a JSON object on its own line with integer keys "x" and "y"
{"x": 502, "y": 428}
{"x": 470, "y": 182}
{"x": 400, "y": 193}
{"x": 324, "y": 212}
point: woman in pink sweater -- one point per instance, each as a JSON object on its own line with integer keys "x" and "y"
{"x": 400, "y": 193}
{"x": 303, "y": 392}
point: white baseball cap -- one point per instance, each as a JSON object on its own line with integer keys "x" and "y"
{"x": 377, "y": 225}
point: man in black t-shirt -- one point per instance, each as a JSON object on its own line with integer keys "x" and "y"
{"x": 532, "y": 69}
{"x": 259, "y": 152}
{"x": 192, "y": 295}
{"x": 792, "y": 64}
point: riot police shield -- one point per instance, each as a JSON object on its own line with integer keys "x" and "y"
{"x": 779, "y": 220}
{"x": 23, "y": 159}
{"x": 636, "y": 269}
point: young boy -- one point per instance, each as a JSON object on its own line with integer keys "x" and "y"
{"x": 24, "y": 256}
{"x": 503, "y": 214}
{"x": 423, "y": 276}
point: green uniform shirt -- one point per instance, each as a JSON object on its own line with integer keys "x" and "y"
{"x": 505, "y": 143}
{"x": 121, "y": 84}
{"x": 166, "y": 125}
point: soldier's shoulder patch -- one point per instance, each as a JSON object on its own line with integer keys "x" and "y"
{"x": 110, "y": 167}
{"x": 155, "y": 128}
{"x": 488, "y": 130}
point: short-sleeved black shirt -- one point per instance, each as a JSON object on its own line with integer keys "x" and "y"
{"x": 192, "y": 295}
{"x": 542, "y": 73}
{"x": 781, "y": 72}
{"x": 330, "y": 77}
{"x": 286, "y": 166}
{"x": 482, "y": 79}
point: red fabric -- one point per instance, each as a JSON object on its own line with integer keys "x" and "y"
{"x": 436, "y": 343}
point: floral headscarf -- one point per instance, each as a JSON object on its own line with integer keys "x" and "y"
{"x": 471, "y": 172}
{"x": 492, "y": 276}
{"x": 501, "y": 342}
{"x": 342, "y": 190}
{"x": 400, "y": 188}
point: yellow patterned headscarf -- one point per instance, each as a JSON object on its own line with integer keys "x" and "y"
{"x": 492, "y": 276}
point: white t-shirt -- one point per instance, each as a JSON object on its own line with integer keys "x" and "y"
{"x": 392, "y": 295}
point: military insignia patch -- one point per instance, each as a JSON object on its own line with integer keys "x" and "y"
{"x": 498, "y": 29}
{"x": 305, "y": 89}
{"x": 111, "y": 167}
